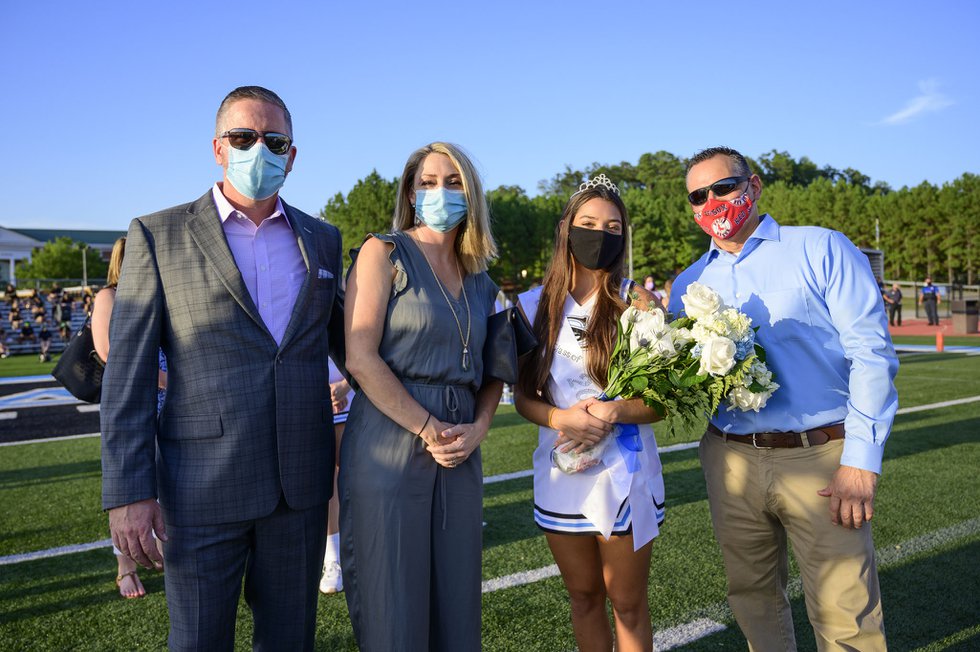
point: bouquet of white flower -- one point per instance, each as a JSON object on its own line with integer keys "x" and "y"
{"x": 684, "y": 369}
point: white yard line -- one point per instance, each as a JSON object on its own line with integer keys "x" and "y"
{"x": 55, "y": 552}
{"x": 933, "y": 406}
{"x": 5, "y": 416}
{"x": 49, "y": 439}
{"x": 520, "y": 579}
{"x": 88, "y": 407}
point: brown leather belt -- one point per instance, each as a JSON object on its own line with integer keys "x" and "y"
{"x": 805, "y": 439}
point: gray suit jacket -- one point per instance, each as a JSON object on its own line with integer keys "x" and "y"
{"x": 245, "y": 421}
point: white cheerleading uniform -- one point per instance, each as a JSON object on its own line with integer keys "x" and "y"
{"x": 335, "y": 377}
{"x": 606, "y": 499}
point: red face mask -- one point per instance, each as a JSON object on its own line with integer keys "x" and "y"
{"x": 723, "y": 219}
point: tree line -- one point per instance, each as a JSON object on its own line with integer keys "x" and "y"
{"x": 924, "y": 230}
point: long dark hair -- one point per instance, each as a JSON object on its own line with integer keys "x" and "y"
{"x": 600, "y": 334}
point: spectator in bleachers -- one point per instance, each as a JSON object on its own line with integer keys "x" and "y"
{"x": 27, "y": 334}
{"x": 16, "y": 321}
{"x": 43, "y": 336}
{"x": 36, "y": 303}
{"x": 61, "y": 312}
{"x": 87, "y": 300}
{"x": 10, "y": 293}
{"x": 4, "y": 349}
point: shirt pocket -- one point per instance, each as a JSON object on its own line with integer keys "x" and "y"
{"x": 784, "y": 315}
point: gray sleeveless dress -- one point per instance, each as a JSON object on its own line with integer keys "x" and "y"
{"x": 411, "y": 530}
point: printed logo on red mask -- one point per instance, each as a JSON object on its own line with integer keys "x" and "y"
{"x": 723, "y": 219}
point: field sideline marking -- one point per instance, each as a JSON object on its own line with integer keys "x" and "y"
{"x": 923, "y": 408}
{"x": 49, "y": 439}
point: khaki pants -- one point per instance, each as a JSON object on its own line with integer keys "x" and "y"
{"x": 758, "y": 497}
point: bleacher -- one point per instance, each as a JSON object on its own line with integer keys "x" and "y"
{"x": 11, "y": 339}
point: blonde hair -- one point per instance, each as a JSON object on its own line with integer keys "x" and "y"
{"x": 474, "y": 241}
{"x": 115, "y": 262}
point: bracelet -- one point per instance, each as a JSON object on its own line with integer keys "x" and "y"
{"x": 550, "y": 413}
{"x": 419, "y": 433}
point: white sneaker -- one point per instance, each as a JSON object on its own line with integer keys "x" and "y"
{"x": 332, "y": 581}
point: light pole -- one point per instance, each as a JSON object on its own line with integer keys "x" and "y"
{"x": 84, "y": 267}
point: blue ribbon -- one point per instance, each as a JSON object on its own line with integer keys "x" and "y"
{"x": 628, "y": 439}
{"x": 630, "y": 444}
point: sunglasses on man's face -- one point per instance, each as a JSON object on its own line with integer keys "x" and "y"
{"x": 245, "y": 138}
{"x": 720, "y": 188}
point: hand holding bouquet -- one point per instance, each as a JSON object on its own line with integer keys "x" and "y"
{"x": 685, "y": 368}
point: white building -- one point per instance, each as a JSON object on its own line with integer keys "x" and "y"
{"x": 18, "y": 244}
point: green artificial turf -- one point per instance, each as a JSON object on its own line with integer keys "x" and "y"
{"x": 929, "y": 488}
{"x": 26, "y": 364}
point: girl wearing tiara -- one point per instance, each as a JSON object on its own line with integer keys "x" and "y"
{"x": 600, "y": 521}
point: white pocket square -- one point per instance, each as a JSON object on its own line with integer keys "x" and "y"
{"x": 323, "y": 273}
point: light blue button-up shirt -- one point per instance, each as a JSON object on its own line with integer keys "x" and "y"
{"x": 814, "y": 298}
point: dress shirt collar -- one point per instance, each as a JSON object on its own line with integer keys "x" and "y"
{"x": 768, "y": 229}
{"x": 226, "y": 210}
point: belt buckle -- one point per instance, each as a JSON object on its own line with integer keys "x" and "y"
{"x": 755, "y": 445}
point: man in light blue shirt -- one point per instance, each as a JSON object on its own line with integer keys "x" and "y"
{"x": 805, "y": 466}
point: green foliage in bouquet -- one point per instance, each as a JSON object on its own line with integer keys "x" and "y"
{"x": 672, "y": 384}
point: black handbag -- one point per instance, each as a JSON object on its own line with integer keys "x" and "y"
{"x": 509, "y": 337}
{"x": 80, "y": 368}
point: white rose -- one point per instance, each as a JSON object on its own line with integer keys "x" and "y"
{"x": 717, "y": 356}
{"x": 700, "y": 301}
{"x": 742, "y": 399}
{"x": 682, "y": 336}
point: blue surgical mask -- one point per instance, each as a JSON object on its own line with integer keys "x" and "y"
{"x": 440, "y": 209}
{"x": 256, "y": 172}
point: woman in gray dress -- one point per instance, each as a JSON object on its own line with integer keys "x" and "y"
{"x": 411, "y": 479}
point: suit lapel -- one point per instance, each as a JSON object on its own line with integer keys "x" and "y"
{"x": 308, "y": 249}
{"x": 204, "y": 226}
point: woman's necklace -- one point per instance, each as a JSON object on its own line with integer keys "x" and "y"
{"x": 462, "y": 286}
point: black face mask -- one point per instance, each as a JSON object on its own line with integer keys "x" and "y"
{"x": 594, "y": 249}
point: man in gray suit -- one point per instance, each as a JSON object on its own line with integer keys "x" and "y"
{"x": 242, "y": 294}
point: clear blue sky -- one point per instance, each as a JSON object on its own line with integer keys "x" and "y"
{"x": 108, "y": 107}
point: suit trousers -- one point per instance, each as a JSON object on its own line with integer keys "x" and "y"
{"x": 279, "y": 556}
{"x": 758, "y": 499}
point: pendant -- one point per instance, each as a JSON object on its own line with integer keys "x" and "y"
{"x": 466, "y": 358}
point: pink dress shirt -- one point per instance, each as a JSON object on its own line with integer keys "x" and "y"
{"x": 269, "y": 259}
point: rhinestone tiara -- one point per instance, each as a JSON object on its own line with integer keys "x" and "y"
{"x": 595, "y": 182}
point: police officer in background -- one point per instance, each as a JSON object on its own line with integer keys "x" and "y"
{"x": 930, "y": 299}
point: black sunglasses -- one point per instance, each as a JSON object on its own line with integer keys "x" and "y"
{"x": 245, "y": 138}
{"x": 719, "y": 188}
